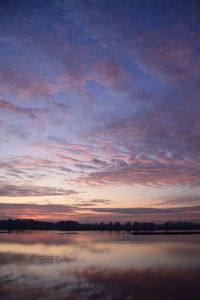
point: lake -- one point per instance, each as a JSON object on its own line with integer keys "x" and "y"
{"x": 98, "y": 265}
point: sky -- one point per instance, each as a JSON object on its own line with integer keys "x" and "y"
{"x": 100, "y": 110}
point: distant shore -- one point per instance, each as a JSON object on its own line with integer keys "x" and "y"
{"x": 73, "y": 231}
{"x": 164, "y": 232}
{"x": 135, "y": 228}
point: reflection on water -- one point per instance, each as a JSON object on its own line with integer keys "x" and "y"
{"x": 98, "y": 265}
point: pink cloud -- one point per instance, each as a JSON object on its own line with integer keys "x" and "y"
{"x": 111, "y": 74}
{"x": 65, "y": 158}
{"x": 167, "y": 54}
{"x": 23, "y": 85}
{"x": 153, "y": 174}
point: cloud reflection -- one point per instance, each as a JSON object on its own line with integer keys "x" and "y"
{"x": 98, "y": 283}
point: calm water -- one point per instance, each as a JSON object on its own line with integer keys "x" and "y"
{"x": 98, "y": 265}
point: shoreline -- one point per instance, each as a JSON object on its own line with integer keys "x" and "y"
{"x": 172, "y": 232}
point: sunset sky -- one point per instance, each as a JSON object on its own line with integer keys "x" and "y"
{"x": 100, "y": 110}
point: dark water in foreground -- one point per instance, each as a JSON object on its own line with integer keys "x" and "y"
{"x": 98, "y": 265}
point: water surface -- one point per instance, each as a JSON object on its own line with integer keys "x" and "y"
{"x": 87, "y": 265}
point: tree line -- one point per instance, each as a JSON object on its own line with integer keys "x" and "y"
{"x": 23, "y": 224}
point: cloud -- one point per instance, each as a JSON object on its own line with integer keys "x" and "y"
{"x": 68, "y": 144}
{"x": 148, "y": 214}
{"x": 12, "y": 190}
{"x": 30, "y": 112}
{"x": 24, "y": 85}
{"x": 98, "y": 162}
{"x": 49, "y": 212}
{"x": 170, "y": 56}
{"x": 29, "y": 168}
{"x": 111, "y": 75}
{"x": 65, "y": 158}
{"x": 146, "y": 210}
{"x": 160, "y": 145}
{"x": 181, "y": 200}
{"x": 89, "y": 211}
{"x": 145, "y": 174}
{"x": 92, "y": 202}
{"x": 138, "y": 65}
{"x": 99, "y": 201}
{"x": 85, "y": 167}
